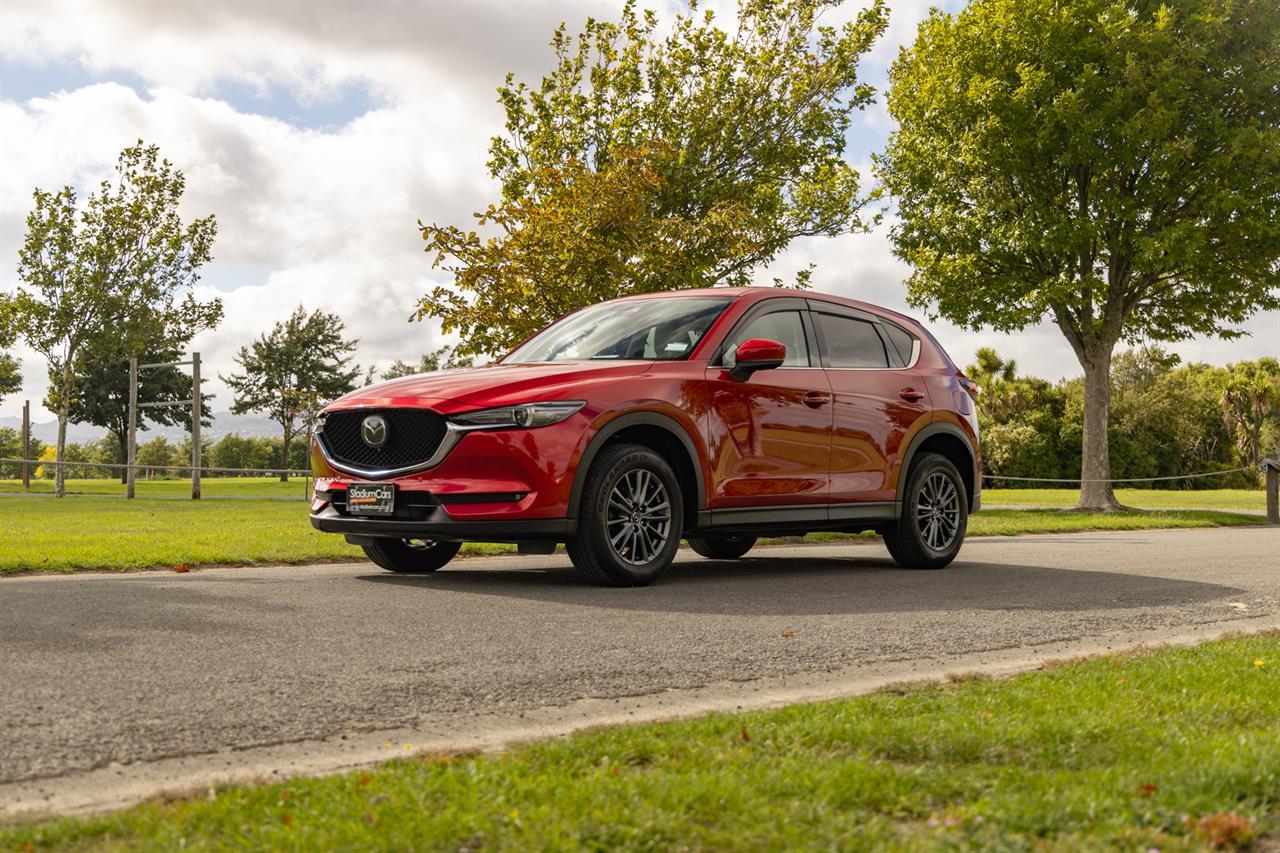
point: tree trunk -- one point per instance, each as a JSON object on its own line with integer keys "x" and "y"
{"x": 1095, "y": 463}
{"x": 59, "y": 476}
{"x": 122, "y": 439}
{"x": 284, "y": 453}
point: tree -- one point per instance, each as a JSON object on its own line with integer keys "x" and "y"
{"x": 292, "y": 371}
{"x": 648, "y": 162}
{"x": 1110, "y": 165}
{"x": 156, "y": 456}
{"x": 111, "y": 271}
{"x": 103, "y": 397}
{"x": 444, "y": 358}
{"x": 10, "y": 370}
{"x": 1250, "y": 401}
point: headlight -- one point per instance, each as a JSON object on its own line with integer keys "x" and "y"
{"x": 523, "y": 416}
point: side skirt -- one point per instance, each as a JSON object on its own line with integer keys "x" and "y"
{"x": 799, "y": 519}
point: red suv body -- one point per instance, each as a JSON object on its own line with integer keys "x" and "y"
{"x": 746, "y": 412}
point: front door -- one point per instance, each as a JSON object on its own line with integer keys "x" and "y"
{"x": 769, "y": 437}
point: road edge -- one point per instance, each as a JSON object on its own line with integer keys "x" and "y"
{"x": 117, "y": 786}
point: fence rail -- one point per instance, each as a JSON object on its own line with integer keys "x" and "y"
{"x": 88, "y": 470}
{"x": 1121, "y": 479}
{"x": 119, "y": 466}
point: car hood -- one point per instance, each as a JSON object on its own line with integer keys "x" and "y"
{"x": 492, "y": 385}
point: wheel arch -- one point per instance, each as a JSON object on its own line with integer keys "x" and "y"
{"x": 950, "y": 441}
{"x": 659, "y": 432}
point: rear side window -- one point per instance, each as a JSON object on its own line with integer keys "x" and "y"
{"x": 785, "y": 327}
{"x": 901, "y": 340}
{"x": 850, "y": 342}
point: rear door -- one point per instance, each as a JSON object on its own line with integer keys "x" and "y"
{"x": 769, "y": 437}
{"x": 877, "y": 400}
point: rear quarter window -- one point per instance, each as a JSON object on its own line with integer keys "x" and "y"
{"x": 901, "y": 340}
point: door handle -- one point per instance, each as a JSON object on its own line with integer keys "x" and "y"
{"x": 814, "y": 399}
{"x": 911, "y": 395}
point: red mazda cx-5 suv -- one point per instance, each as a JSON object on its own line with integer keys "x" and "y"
{"x": 715, "y": 416}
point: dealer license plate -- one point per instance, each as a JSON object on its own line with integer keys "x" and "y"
{"x": 371, "y": 500}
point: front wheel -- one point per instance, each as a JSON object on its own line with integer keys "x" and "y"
{"x": 723, "y": 547}
{"x": 411, "y": 556}
{"x": 630, "y": 520}
{"x": 935, "y": 515}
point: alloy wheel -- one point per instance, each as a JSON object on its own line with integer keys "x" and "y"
{"x": 638, "y": 521}
{"x": 938, "y": 511}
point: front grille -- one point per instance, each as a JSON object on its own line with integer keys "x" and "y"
{"x": 413, "y": 435}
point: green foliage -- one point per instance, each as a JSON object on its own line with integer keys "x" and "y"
{"x": 11, "y": 445}
{"x": 1166, "y": 419}
{"x": 1110, "y": 165}
{"x": 653, "y": 161}
{"x": 10, "y": 375}
{"x": 291, "y": 372}
{"x": 109, "y": 276}
{"x": 103, "y": 398}
{"x": 1250, "y": 402}
{"x": 444, "y": 358}
{"x": 10, "y": 370}
{"x": 156, "y": 455}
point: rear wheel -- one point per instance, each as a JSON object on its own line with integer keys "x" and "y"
{"x": 724, "y": 547}
{"x": 630, "y": 519}
{"x": 411, "y": 556}
{"x": 935, "y": 515}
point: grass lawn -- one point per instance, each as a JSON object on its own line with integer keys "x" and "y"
{"x": 1207, "y": 499}
{"x": 1171, "y": 749}
{"x": 213, "y": 487}
{"x": 45, "y": 534}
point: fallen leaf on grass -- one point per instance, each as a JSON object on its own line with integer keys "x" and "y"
{"x": 743, "y": 735}
{"x": 182, "y": 569}
{"x": 286, "y": 819}
{"x": 1225, "y": 830}
{"x": 1145, "y": 790}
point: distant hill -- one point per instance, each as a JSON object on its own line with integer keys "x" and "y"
{"x": 224, "y": 423}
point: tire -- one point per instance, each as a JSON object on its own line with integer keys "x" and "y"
{"x": 609, "y": 512}
{"x": 723, "y": 547}
{"x": 404, "y": 557}
{"x": 935, "y": 515}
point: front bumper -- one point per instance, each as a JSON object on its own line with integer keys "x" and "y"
{"x": 436, "y": 523}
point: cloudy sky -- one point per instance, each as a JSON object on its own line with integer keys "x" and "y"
{"x": 319, "y": 133}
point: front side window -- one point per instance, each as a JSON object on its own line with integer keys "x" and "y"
{"x": 649, "y": 329}
{"x": 850, "y": 342}
{"x": 785, "y": 327}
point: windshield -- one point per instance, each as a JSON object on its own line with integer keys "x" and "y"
{"x": 653, "y": 329}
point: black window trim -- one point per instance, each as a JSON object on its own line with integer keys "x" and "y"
{"x": 773, "y": 306}
{"x": 819, "y": 306}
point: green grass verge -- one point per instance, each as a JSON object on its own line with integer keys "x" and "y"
{"x": 1208, "y": 499}
{"x": 1173, "y": 748}
{"x": 102, "y": 533}
{"x": 257, "y": 487}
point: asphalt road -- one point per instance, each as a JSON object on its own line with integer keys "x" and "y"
{"x": 103, "y": 671}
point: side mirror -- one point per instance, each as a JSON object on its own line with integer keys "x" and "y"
{"x": 756, "y": 354}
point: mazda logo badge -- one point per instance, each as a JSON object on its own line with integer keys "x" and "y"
{"x": 374, "y": 430}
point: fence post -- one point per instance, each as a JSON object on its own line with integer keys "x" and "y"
{"x": 1272, "y": 468}
{"x": 131, "y": 449}
{"x": 26, "y": 444}
{"x": 195, "y": 426}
